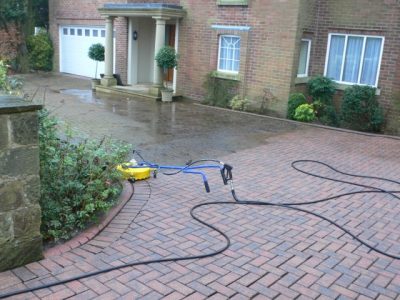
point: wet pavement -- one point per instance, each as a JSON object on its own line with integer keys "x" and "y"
{"x": 276, "y": 253}
{"x": 164, "y": 132}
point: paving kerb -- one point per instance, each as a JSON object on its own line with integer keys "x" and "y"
{"x": 274, "y": 253}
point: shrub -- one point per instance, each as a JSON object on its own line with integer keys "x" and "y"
{"x": 304, "y": 113}
{"x": 219, "y": 91}
{"x": 9, "y": 85}
{"x": 96, "y": 53}
{"x": 295, "y": 100}
{"x": 40, "y": 49}
{"x": 360, "y": 110}
{"x": 322, "y": 88}
{"x": 78, "y": 179}
{"x": 326, "y": 114}
{"x": 239, "y": 103}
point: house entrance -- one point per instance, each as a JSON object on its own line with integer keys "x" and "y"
{"x": 170, "y": 41}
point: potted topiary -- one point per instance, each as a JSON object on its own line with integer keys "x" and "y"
{"x": 96, "y": 52}
{"x": 166, "y": 58}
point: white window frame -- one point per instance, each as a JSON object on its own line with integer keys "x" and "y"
{"x": 362, "y": 57}
{"x": 308, "y": 58}
{"x": 219, "y": 53}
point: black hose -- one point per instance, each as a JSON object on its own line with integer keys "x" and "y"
{"x": 238, "y": 201}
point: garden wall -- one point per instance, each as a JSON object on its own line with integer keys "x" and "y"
{"x": 20, "y": 214}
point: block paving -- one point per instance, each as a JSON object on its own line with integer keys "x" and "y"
{"x": 276, "y": 253}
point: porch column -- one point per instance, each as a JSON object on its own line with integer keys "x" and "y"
{"x": 108, "y": 79}
{"x": 159, "y": 43}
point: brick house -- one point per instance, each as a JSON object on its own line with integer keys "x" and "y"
{"x": 273, "y": 44}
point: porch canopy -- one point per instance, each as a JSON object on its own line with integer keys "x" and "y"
{"x": 159, "y": 11}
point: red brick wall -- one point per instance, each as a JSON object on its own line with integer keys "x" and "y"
{"x": 78, "y": 12}
{"x": 366, "y": 17}
{"x": 270, "y": 46}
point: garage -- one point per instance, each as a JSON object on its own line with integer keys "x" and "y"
{"x": 74, "y": 46}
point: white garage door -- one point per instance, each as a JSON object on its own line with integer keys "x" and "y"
{"x": 74, "y": 46}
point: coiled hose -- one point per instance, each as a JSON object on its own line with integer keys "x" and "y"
{"x": 226, "y": 173}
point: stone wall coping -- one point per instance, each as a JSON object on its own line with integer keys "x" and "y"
{"x": 12, "y": 104}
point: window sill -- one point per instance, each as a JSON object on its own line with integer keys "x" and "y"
{"x": 233, "y": 2}
{"x": 223, "y": 75}
{"x": 339, "y": 86}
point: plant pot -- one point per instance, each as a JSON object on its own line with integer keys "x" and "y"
{"x": 94, "y": 83}
{"x": 166, "y": 95}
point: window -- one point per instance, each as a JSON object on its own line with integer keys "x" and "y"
{"x": 229, "y": 54}
{"x": 87, "y": 32}
{"x": 95, "y": 32}
{"x": 79, "y": 32}
{"x": 72, "y": 31}
{"x": 354, "y": 58}
{"x": 103, "y": 33}
{"x": 304, "y": 59}
{"x": 65, "y": 31}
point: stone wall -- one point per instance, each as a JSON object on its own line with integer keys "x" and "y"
{"x": 20, "y": 214}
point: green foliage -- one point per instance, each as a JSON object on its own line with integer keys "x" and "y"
{"x": 322, "y": 88}
{"x": 360, "y": 109}
{"x": 40, "y": 50}
{"x": 304, "y": 113}
{"x": 239, "y": 103}
{"x": 96, "y": 52}
{"x": 9, "y": 85}
{"x": 326, "y": 114}
{"x": 12, "y": 11}
{"x": 295, "y": 100}
{"x": 78, "y": 179}
{"x": 167, "y": 58}
{"x": 219, "y": 92}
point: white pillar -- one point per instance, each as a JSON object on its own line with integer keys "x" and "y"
{"x": 159, "y": 43}
{"x": 108, "y": 79}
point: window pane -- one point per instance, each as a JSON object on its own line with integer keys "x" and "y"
{"x": 72, "y": 31}
{"x": 87, "y": 32}
{"x": 95, "y": 32}
{"x": 371, "y": 61}
{"x": 229, "y": 54}
{"x": 65, "y": 31}
{"x": 103, "y": 33}
{"x": 335, "y": 58}
{"x": 303, "y": 58}
{"x": 353, "y": 59}
{"x": 79, "y": 32}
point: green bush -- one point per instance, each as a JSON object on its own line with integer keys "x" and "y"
{"x": 219, "y": 91}
{"x": 40, "y": 49}
{"x": 239, "y": 103}
{"x": 304, "y": 113}
{"x": 78, "y": 179}
{"x": 326, "y": 114}
{"x": 360, "y": 110}
{"x": 9, "y": 85}
{"x": 97, "y": 53}
{"x": 295, "y": 100}
{"x": 322, "y": 88}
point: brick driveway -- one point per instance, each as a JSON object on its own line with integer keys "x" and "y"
{"x": 275, "y": 253}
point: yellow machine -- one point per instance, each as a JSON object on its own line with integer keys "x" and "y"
{"x": 134, "y": 172}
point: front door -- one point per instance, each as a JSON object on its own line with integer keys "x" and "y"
{"x": 170, "y": 41}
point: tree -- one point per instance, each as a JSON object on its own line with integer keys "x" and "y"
{"x": 23, "y": 15}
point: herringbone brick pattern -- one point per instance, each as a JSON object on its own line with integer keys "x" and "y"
{"x": 276, "y": 253}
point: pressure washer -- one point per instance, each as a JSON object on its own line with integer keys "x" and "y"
{"x": 142, "y": 170}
